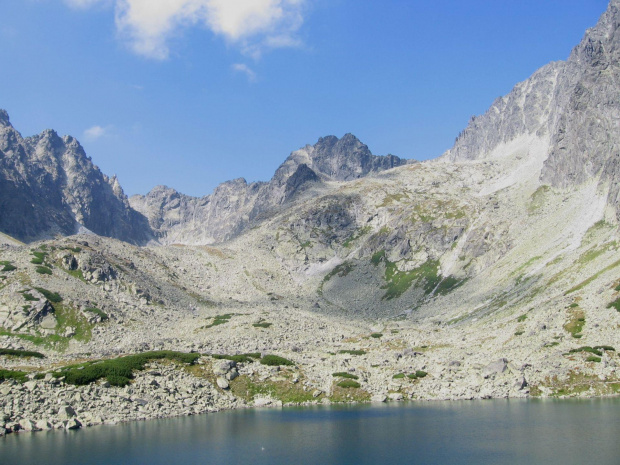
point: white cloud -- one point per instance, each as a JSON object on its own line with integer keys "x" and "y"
{"x": 253, "y": 25}
{"x": 245, "y": 69}
{"x": 94, "y": 132}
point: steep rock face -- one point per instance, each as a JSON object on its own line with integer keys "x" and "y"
{"x": 574, "y": 104}
{"x": 234, "y": 205}
{"x": 49, "y": 186}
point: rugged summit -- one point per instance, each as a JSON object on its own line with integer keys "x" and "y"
{"x": 572, "y": 106}
{"x": 49, "y": 186}
{"x": 233, "y": 205}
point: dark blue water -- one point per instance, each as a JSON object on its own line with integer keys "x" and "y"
{"x": 482, "y": 432}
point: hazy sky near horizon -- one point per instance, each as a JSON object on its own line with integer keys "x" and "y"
{"x": 191, "y": 93}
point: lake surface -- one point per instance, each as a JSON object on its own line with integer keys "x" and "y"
{"x": 474, "y": 432}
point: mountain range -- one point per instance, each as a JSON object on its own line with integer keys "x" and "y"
{"x": 491, "y": 271}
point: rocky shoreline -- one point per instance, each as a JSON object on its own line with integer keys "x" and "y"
{"x": 168, "y": 389}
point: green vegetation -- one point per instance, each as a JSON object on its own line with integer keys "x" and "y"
{"x": 262, "y": 324}
{"x": 29, "y": 297}
{"x": 70, "y": 317}
{"x": 98, "y": 312}
{"x": 519, "y": 333}
{"x": 376, "y": 335}
{"x": 240, "y": 358}
{"x": 399, "y": 376}
{"x": 522, "y": 318}
{"x": 593, "y": 358}
{"x": 8, "y": 267}
{"x": 359, "y": 233}
{"x": 19, "y": 376}
{"x": 348, "y": 384}
{"x": 584, "y": 283}
{"x": 418, "y": 374}
{"x": 43, "y": 270}
{"x": 344, "y": 374}
{"x": 576, "y": 323}
{"x": 119, "y": 371}
{"x": 247, "y": 388}
{"x": 615, "y": 304}
{"x": 352, "y": 352}
{"x": 596, "y": 350}
{"x": 398, "y": 282}
{"x": 53, "y": 297}
{"x": 220, "y": 320}
{"x": 341, "y": 270}
{"x": 21, "y": 353}
{"x": 538, "y": 198}
{"x": 274, "y": 360}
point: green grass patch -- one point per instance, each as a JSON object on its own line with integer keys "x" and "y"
{"x": 615, "y": 304}
{"x": 29, "y": 297}
{"x": 360, "y": 232}
{"x": 341, "y": 270}
{"x": 21, "y": 353}
{"x": 348, "y": 384}
{"x": 344, "y": 374}
{"x": 275, "y": 360}
{"x": 522, "y": 318}
{"x": 248, "y": 388}
{"x": 377, "y": 335}
{"x": 98, "y": 312}
{"x": 418, "y": 374}
{"x": 584, "y": 283}
{"x": 119, "y": 371}
{"x": 220, "y": 320}
{"x": 19, "y": 376}
{"x": 588, "y": 349}
{"x": 53, "y": 297}
{"x": 593, "y": 358}
{"x": 8, "y": 267}
{"x": 399, "y": 376}
{"x": 576, "y": 323}
{"x": 37, "y": 261}
{"x": 43, "y": 270}
{"x": 240, "y": 358}
{"x": 352, "y": 352}
{"x": 262, "y": 324}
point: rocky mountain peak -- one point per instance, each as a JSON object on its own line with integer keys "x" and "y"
{"x": 4, "y": 118}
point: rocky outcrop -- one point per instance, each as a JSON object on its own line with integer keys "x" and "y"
{"x": 574, "y": 105}
{"x": 49, "y": 186}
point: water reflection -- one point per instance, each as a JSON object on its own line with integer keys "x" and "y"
{"x": 500, "y": 431}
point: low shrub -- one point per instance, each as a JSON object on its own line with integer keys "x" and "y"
{"x": 21, "y": 353}
{"x": 43, "y": 270}
{"x": 240, "y": 358}
{"x": 97, "y": 311}
{"x": 274, "y": 360}
{"x": 53, "y": 297}
{"x": 420, "y": 374}
{"x": 399, "y": 376}
{"x": 19, "y": 376}
{"x": 588, "y": 349}
{"x": 593, "y": 358}
{"x": 9, "y": 267}
{"x": 349, "y": 383}
{"x": 119, "y": 371}
{"x": 344, "y": 374}
{"x": 376, "y": 335}
{"x": 262, "y": 324}
{"x": 352, "y": 352}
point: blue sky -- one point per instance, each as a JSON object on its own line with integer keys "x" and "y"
{"x": 191, "y": 93}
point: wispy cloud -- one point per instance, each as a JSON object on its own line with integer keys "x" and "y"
{"x": 244, "y": 69}
{"x": 252, "y": 25}
{"x": 94, "y": 133}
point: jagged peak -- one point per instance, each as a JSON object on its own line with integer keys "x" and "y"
{"x": 4, "y": 118}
